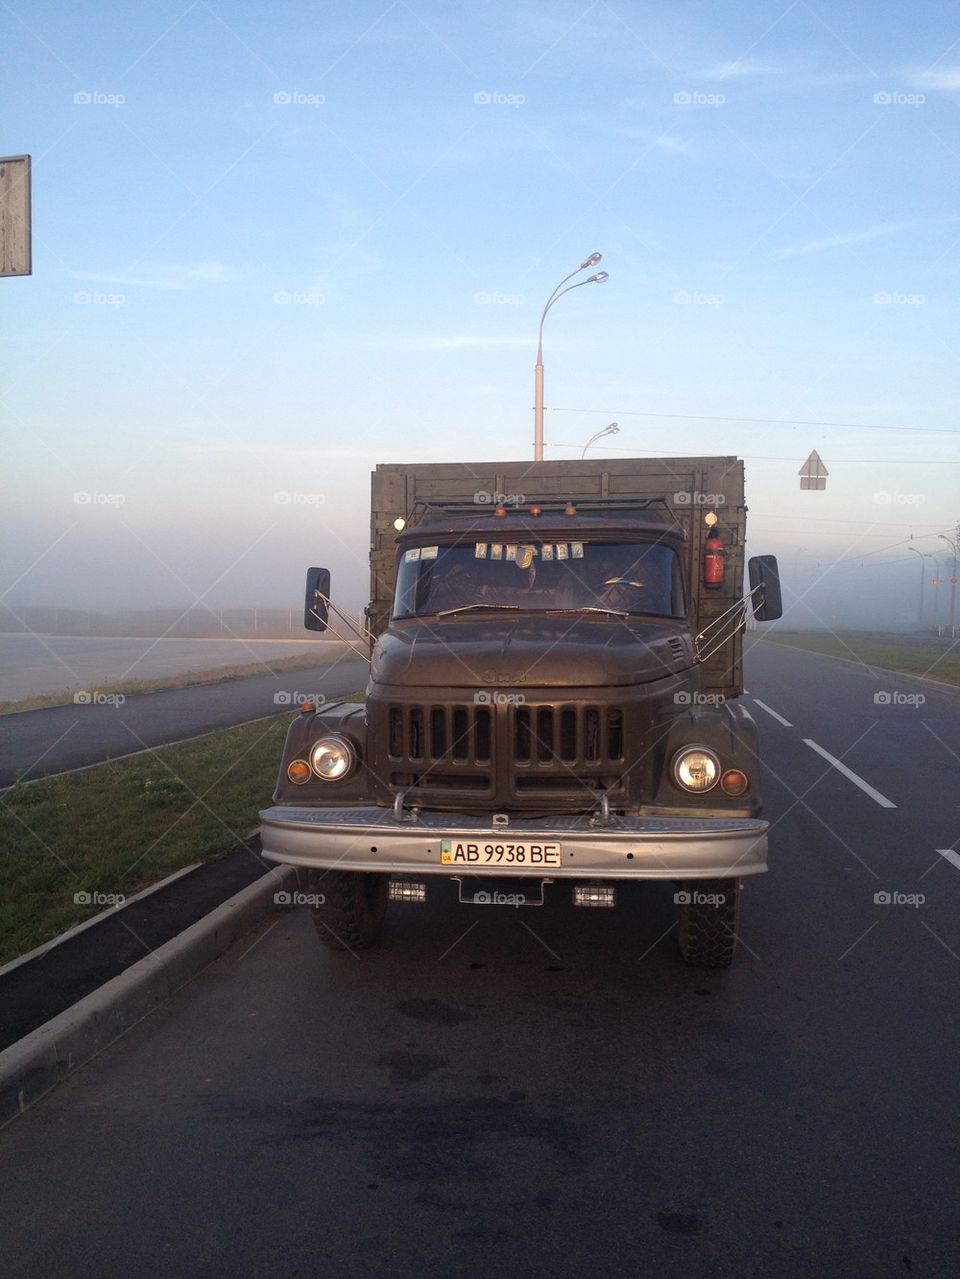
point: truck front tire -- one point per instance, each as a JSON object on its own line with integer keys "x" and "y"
{"x": 350, "y": 914}
{"x": 708, "y": 921}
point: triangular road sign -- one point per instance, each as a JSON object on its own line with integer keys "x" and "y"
{"x": 813, "y": 473}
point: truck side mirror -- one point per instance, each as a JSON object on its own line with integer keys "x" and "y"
{"x": 765, "y": 588}
{"x": 315, "y": 610}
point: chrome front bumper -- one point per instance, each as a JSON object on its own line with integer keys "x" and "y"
{"x": 372, "y": 839}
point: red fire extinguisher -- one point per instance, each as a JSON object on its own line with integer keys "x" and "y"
{"x": 714, "y": 561}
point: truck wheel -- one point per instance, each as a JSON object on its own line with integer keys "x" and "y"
{"x": 350, "y": 917}
{"x": 708, "y": 921}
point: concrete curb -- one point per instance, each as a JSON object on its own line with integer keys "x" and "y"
{"x": 92, "y": 922}
{"x": 35, "y": 1064}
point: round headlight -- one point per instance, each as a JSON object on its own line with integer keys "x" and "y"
{"x": 696, "y": 769}
{"x": 333, "y": 758}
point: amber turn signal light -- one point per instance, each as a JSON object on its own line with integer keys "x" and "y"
{"x": 733, "y": 782}
{"x": 299, "y": 771}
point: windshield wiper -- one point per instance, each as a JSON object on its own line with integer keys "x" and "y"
{"x": 610, "y": 612}
{"x": 465, "y": 608}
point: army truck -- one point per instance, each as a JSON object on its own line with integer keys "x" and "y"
{"x": 552, "y": 702}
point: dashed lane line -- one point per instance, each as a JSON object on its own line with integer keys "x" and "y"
{"x": 770, "y": 711}
{"x": 851, "y": 775}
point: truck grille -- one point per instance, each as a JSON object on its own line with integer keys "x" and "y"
{"x": 560, "y": 751}
{"x": 568, "y": 735}
{"x": 428, "y": 734}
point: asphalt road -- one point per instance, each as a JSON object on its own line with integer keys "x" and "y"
{"x": 38, "y": 743}
{"x": 36, "y": 665}
{"x": 550, "y": 1091}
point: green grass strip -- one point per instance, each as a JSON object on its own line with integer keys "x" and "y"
{"x": 906, "y": 656}
{"x": 124, "y": 825}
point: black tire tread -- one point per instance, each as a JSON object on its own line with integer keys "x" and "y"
{"x": 351, "y": 916}
{"x": 708, "y": 933}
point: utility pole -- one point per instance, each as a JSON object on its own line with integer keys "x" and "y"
{"x": 953, "y": 581}
{"x": 923, "y": 556}
{"x": 936, "y": 582}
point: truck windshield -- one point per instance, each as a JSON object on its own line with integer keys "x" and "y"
{"x": 620, "y": 577}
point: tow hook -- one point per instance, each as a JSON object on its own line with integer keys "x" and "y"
{"x": 399, "y": 813}
{"x": 602, "y": 816}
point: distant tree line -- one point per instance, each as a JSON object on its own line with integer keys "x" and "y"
{"x": 176, "y": 623}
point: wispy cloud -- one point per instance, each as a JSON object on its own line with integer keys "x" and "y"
{"x": 842, "y": 238}
{"x": 169, "y": 276}
{"x": 739, "y": 69}
{"x": 937, "y": 79}
{"x": 769, "y": 77}
{"x": 670, "y": 142}
{"x": 662, "y": 141}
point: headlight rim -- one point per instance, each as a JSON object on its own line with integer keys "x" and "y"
{"x": 349, "y": 748}
{"x": 692, "y": 748}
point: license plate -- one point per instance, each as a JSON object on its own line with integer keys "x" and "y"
{"x": 462, "y": 852}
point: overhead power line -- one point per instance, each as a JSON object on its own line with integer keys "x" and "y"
{"x": 820, "y": 519}
{"x": 855, "y": 566}
{"x": 882, "y": 549}
{"x": 766, "y": 421}
{"x": 775, "y": 457}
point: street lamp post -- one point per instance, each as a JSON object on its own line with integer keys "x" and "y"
{"x": 937, "y": 581}
{"x": 558, "y": 292}
{"x": 923, "y": 556}
{"x": 612, "y": 429}
{"x": 953, "y": 588}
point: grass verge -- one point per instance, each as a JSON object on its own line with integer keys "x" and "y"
{"x": 124, "y": 825}
{"x": 187, "y": 679}
{"x": 908, "y": 657}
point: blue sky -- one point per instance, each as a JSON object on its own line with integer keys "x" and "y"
{"x": 275, "y": 245}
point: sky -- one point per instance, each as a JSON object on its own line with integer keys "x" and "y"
{"x": 276, "y": 245}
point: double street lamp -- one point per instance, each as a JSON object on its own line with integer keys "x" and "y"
{"x": 612, "y": 429}
{"x": 558, "y": 292}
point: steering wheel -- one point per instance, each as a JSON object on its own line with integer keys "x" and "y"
{"x": 610, "y": 591}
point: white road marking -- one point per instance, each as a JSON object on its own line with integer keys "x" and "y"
{"x": 950, "y": 855}
{"x": 770, "y": 711}
{"x": 851, "y": 776}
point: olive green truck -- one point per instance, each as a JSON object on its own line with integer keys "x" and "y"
{"x": 555, "y": 663}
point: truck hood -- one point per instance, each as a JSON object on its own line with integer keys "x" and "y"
{"x": 546, "y": 652}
